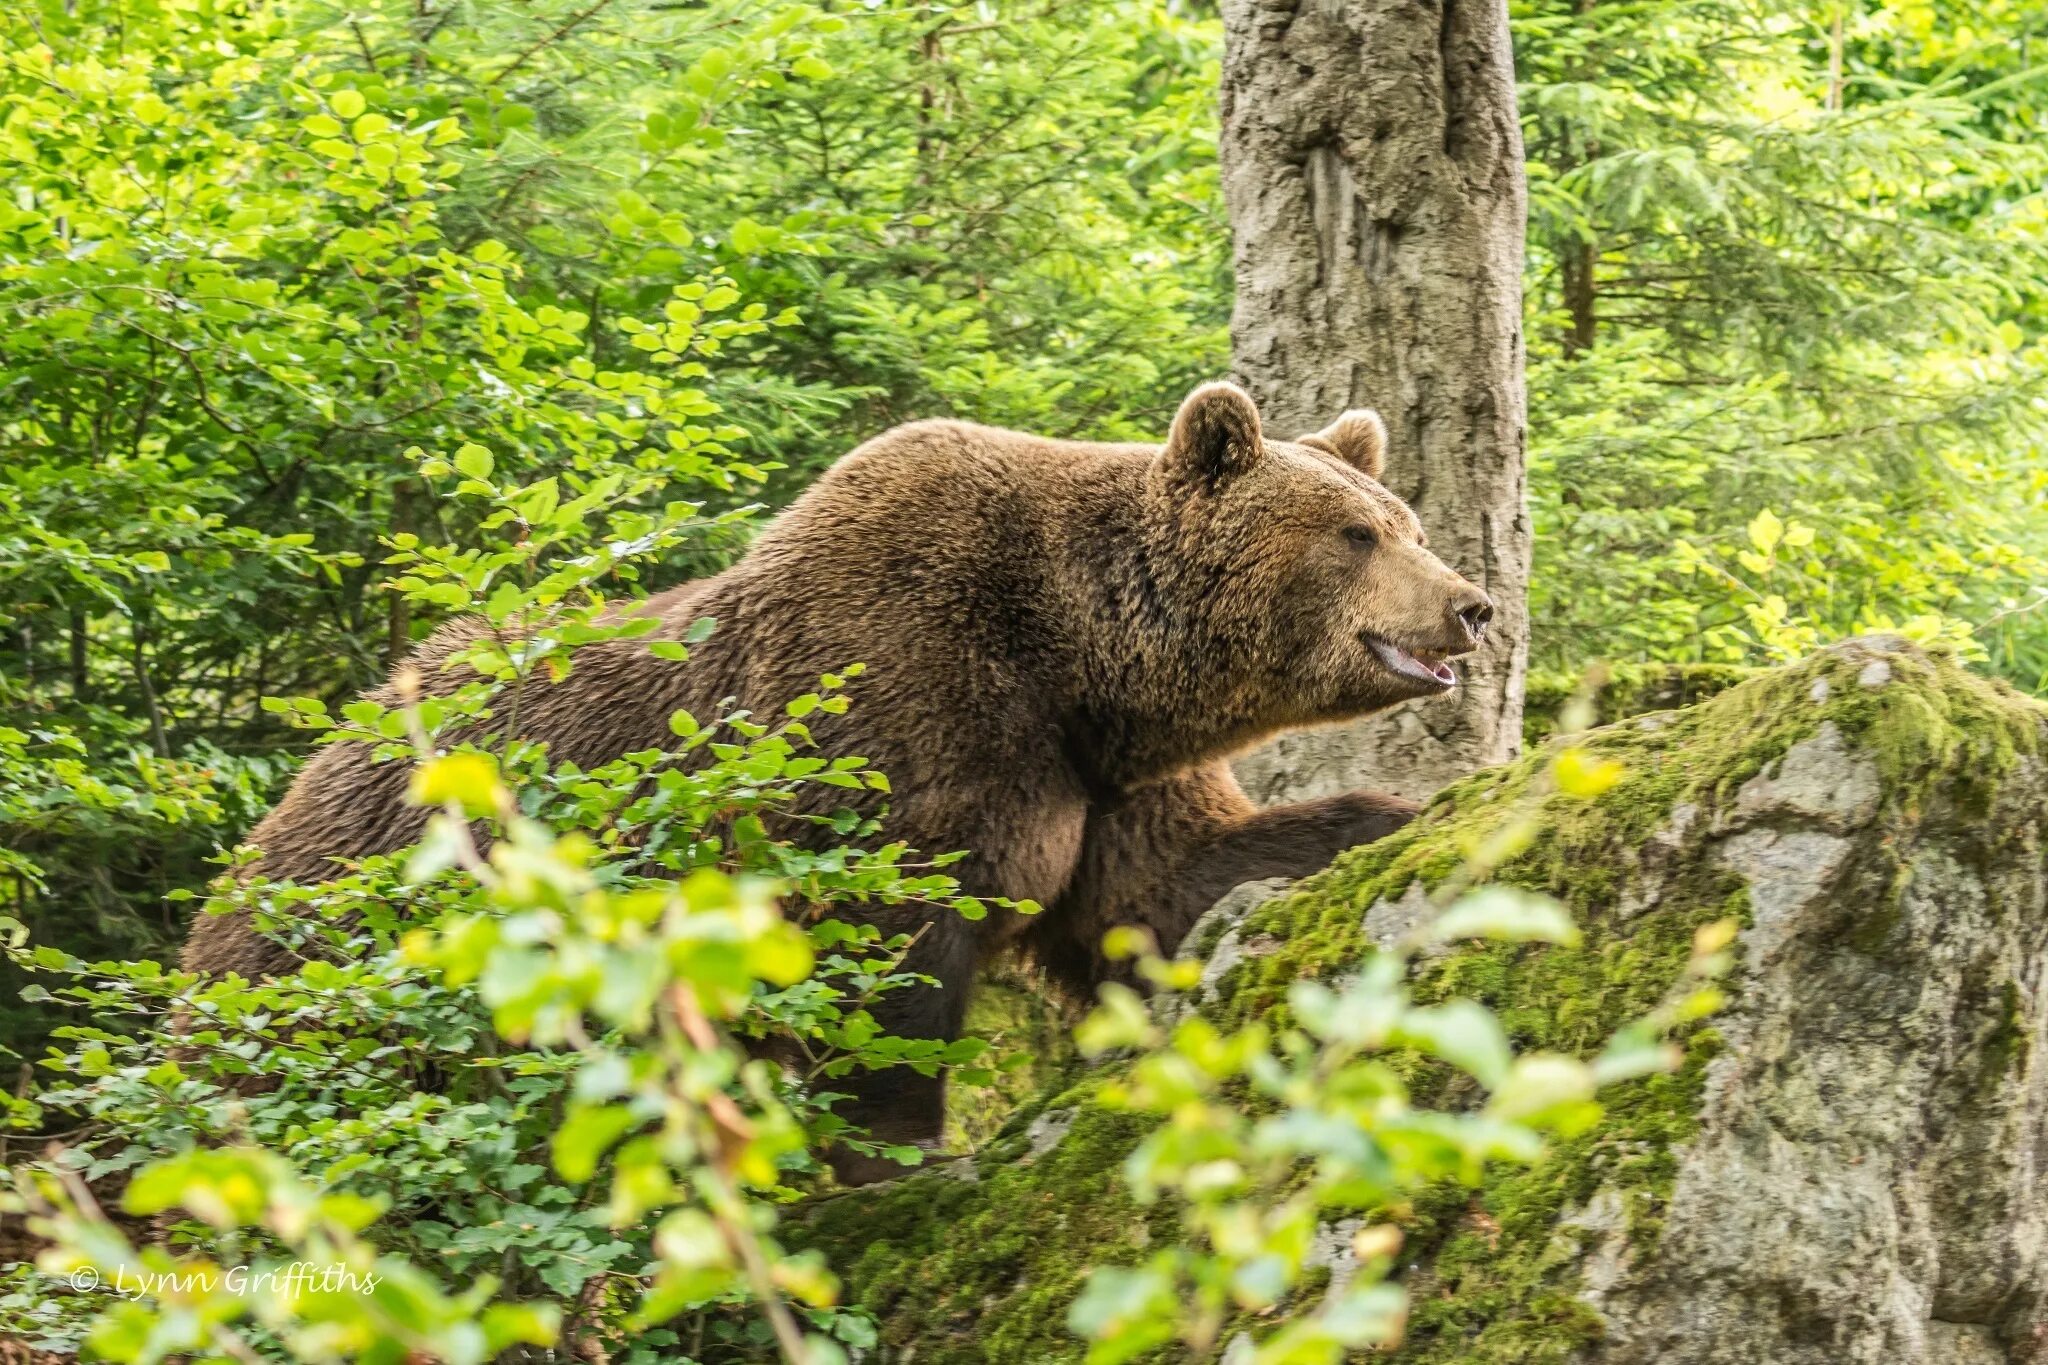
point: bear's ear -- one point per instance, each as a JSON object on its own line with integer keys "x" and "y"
{"x": 1359, "y": 438}
{"x": 1215, "y": 434}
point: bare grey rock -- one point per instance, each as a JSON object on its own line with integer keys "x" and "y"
{"x": 1047, "y": 1129}
{"x": 1332, "y": 1248}
{"x": 1788, "y": 871}
{"x": 1230, "y": 911}
{"x": 1220, "y": 923}
{"x": 1870, "y": 1181}
{"x": 1655, "y": 859}
{"x": 1818, "y": 779}
{"x": 1389, "y": 920}
{"x": 1601, "y": 1232}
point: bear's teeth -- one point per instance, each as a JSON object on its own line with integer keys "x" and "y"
{"x": 1434, "y": 663}
{"x": 1413, "y": 663}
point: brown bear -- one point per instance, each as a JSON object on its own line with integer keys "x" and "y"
{"x": 1064, "y": 641}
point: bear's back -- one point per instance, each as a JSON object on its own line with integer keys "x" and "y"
{"x": 926, "y": 480}
{"x": 933, "y": 554}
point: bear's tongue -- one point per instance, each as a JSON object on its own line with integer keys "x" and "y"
{"x": 1416, "y": 664}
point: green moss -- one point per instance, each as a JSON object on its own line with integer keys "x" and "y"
{"x": 2005, "y": 1051}
{"x": 1204, "y": 943}
{"x": 1031, "y": 1050}
{"x": 1630, "y": 690}
{"x": 984, "y": 1271}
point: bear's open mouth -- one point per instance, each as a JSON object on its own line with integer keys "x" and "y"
{"x": 1415, "y": 664}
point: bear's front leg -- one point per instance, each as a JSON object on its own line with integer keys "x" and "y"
{"x": 898, "y": 1106}
{"x": 1174, "y": 848}
{"x": 1023, "y": 844}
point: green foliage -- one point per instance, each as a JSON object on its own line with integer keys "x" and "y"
{"x": 129, "y": 824}
{"x": 1784, "y": 273}
{"x": 517, "y": 1072}
{"x": 518, "y": 1067}
{"x": 253, "y": 258}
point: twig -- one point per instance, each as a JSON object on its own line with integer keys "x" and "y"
{"x": 2040, "y": 600}
{"x": 568, "y": 25}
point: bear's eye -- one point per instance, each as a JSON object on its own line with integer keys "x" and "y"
{"x": 1361, "y": 536}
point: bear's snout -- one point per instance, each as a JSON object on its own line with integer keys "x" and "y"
{"x": 1473, "y": 611}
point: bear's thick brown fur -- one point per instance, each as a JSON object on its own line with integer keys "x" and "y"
{"x": 1064, "y": 641}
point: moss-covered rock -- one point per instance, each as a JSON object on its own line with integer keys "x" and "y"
{"x": 1848, "y": 1166}
{"x": 1029, "y": 1037}
{"x": 1628, "y": 689}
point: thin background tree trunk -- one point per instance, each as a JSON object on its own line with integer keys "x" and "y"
{"x": 1372, "y": 161}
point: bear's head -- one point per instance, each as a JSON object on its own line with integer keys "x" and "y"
{"x": 1316, "y": 591}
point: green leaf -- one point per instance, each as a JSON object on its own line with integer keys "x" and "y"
{"x": 1765, "y": 530}
{"x": 586, "y": 1135}
{"x": 1505, "y": 913}
{"x": 1541, "y": 1086}
{"x": 1462, "y": 1033}
{"x": 1128, "y": 1312}
{"x": 469, "y": 779}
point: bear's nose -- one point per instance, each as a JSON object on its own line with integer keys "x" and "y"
{"x": 1475, "y": 614}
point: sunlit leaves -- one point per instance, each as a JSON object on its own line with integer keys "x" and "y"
{"x": 297, "y": 350}
{"x": 1811, "y": 406}
{"x": 1765, "y": 531}
{"x": 473, "y": 461}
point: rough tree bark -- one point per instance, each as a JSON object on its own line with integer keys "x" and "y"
{"x": 1372, "y": 160}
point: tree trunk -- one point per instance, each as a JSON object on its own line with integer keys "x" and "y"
{"x": 1372, "y": 160}
{"x": 1581, "y": 296}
